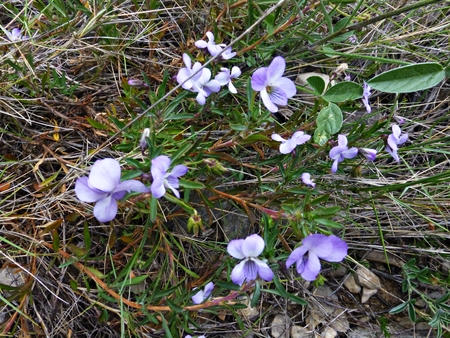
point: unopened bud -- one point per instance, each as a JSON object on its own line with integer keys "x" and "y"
{"x": 136, "y": 83}
{"x": 143, "y": 141}
{"x": 214, "y": 167}
{"x": 195, "y": 224}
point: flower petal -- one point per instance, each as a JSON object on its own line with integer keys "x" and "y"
{"x": 259, "y": 79}
{"x": 132, "y": 185}
{"x": 351, "y": 153}
{"x": 187, "y": 61}
{"x": 311, "y": 268}
{"x": 278, "y": 96}
{"x": 238, "y": 275}
{"x": 267, "y": 101}
{"x": 157, "y": 188}
{"x": 160, "y": 165}
{"x": 85, "y": 193}
{"x": 319, "y": 244}
{"x": 306, "y": 179}
{"x": 339, "y": 250}
{"x": 105, "y": 175}
{"x": 179, "y": 170}
{"x": 334, "y": 166}
{"x": 277, "y": 137}
{"x": 287, "y": 85}
{"x": 253, "y": 246}
{"x": 198, "y": 297}
{"x": 264, "y": 271}
{"x": 234, "y": 248}
{"x": 286, "y": 147}
{"x": 342, "y": 140}
{"x": 105, "y": 209}
{"x": 336, "y": 152}
{"x": 208, "y": 289}
{"x": 275, "y": 69}
{"x": 250, "y": 270}
{"x": 296, "y": 255}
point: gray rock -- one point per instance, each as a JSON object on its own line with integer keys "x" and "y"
{"x": 366, "y": 294}
{"x": 350, "y": 284}
{"x": 278, "y": 326}
{"x": 367, "y": 278}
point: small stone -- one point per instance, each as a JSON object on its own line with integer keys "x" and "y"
{"x": 329, "y": 333}
{"x": 278, "y": 327}
{"x": 422, "y": 326}
{"x": 300, "y": 332}
{"x": 366, "y": 294}
{"x": 350, "y": 284}
{"x": 248, "y": 313}
{"x": 367, "y": 278}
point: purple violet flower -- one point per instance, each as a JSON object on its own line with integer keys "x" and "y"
{"x": 163, "y": 179}
{"x": 341, "y": 152}
{"x": 289, "y": 145}
{"x": 200, "y": 82}
{"x": 395, "y": 139}
{"x": 185, "y": 73}
{"x": 368, "y": 153}
{"x": 274, "y": 89}
{"x": 214, "y": 49}
{"x": 224, "y": 78}
{"x": 306, "y": 179}
{"x": 328, "y": 248}
{"x": 103, "y": 186}
{"x": 204, "y": 86}
{"x": 250, "y": 267}
{"x": 200, "y": 296}
{"x": 14, "y": 35}
{"x": 365, "y": 98}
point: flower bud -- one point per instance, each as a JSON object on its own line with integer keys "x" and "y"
{"x": 370, "y": 154}
{"x": 143, "y": 141}
{"x": 195, "y": 223}
{"x": 214, "y": 167}
{"x": 136, "y": 83}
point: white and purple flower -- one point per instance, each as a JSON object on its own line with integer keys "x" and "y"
{"x": 250, "y": 267}
{"x": 313, "y": 248}
{"x": 163, "y": 179}
{"x": 201, "y": 295}
{"x": 103, "y": 186}
{"x": 225, "y": 77}
{"x": 394, "y": 140}
{"x": 200, "y": 83}
{"x": 275, "y": 90}
{"x": 306, "y": 179}
{"x": 341, "y": 152}
{"x": 365, "y": 98}
{"x": 289, "y": 145}
{"x": 214, "y": 49}
{"x": 368, "y": 153}
{"x": 14, "y": 35}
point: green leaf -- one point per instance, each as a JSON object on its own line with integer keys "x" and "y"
{"x": 344, "y": 91}
{"x": 409, "y": 78}
{"x": 399, "y": 308}
{"x": 191, "y": 184}
{"x": 328, "y": 223}
{"x": 330, "y": 119}
{"x": 316, "y": 83}
{"x": 256, "y": 294}
{"x": 95, "y": 124}
{"x": 321, "y": 136}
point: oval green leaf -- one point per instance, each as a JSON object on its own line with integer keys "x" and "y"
{"x": 409, "y": 79}
{"x": 344, "y": 91}
{"x": 321, "y": 136}
{"x": 330, "y": 119}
